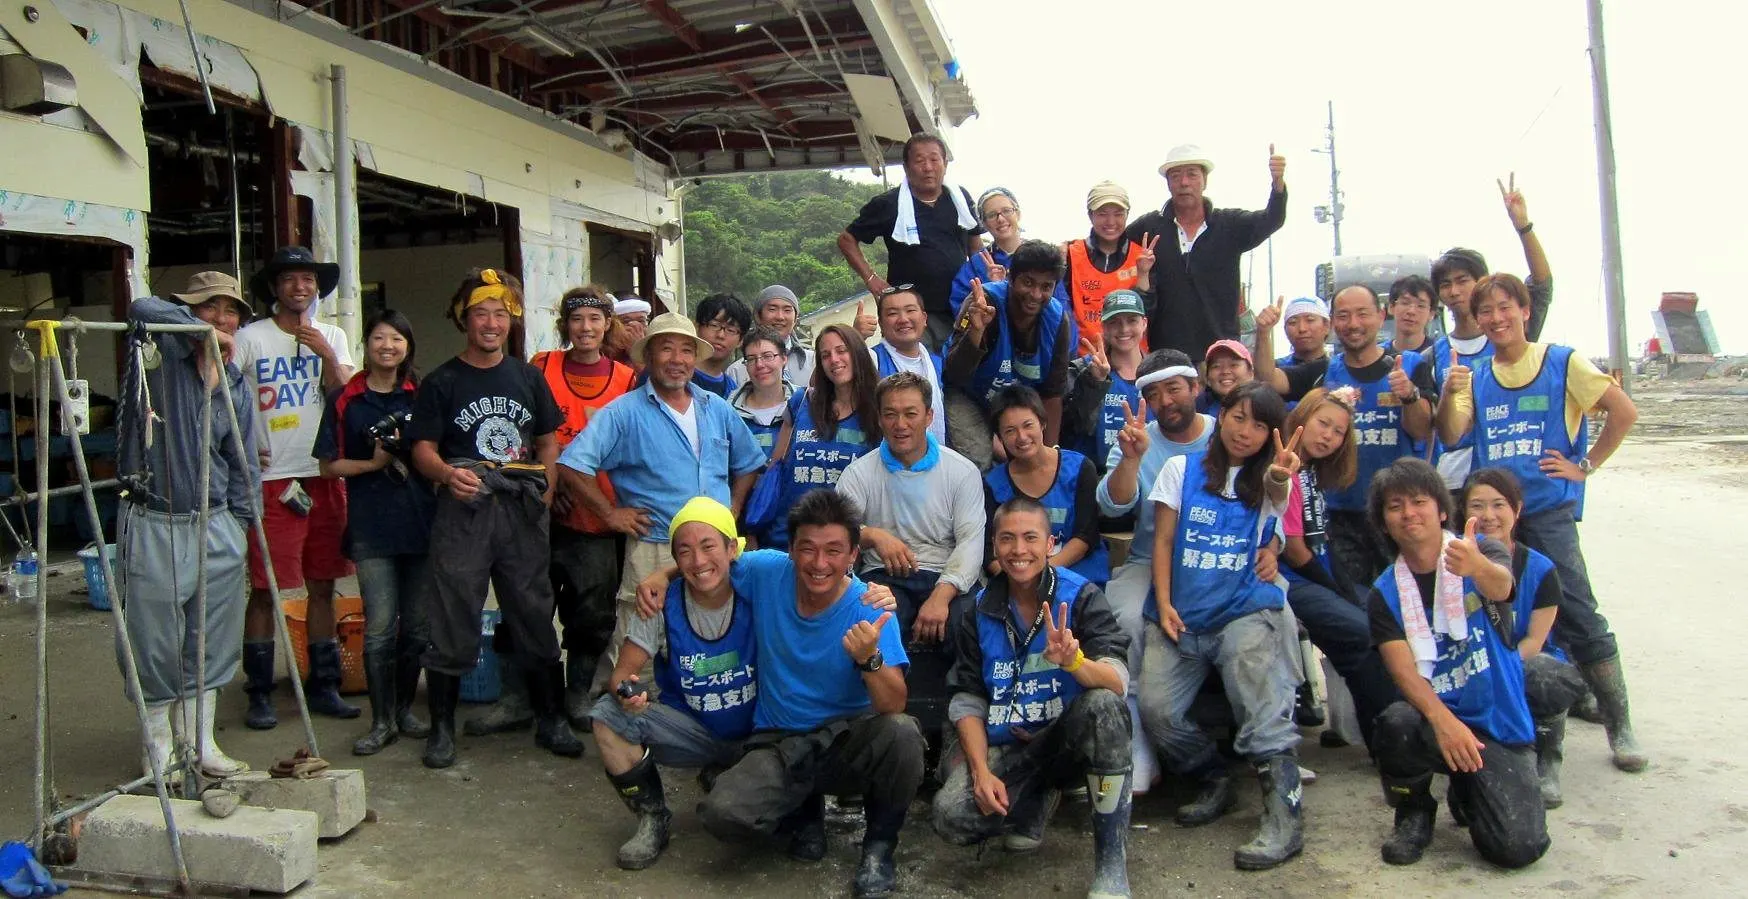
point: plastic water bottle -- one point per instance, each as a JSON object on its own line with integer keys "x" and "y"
{"x": 24, "y": 567}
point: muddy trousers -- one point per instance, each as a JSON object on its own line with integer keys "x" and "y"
{"x": 879, "y": 757}
{"x": 1581, "y": 627}
{"x": 1339, "y": 628}
{"x": 1091, "y": 737}
{"x": 1502, "y": 801}
{"x": 499, "y": 539}
{"x": 157, "y": 576}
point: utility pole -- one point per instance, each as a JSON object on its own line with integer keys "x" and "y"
{"x": 1613, "y": 279}
{"x": 1331, "y": 213}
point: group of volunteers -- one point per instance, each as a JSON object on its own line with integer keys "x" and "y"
{"x": 747, "y": 536}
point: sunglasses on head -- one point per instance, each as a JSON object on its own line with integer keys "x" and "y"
{"x": 891, "y": 289}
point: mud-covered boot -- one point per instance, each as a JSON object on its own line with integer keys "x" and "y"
{"x": 323, "y": 689}
{"x": 1415, "y": 812}
{"x": 552, "y": 730}
{"x": 877, "y": 872}
{"x": 258, "y": 671}
{"x": 1550, "y": 752}
{"x": 512, "y": 710}
{"x": 641, "y": 791}
{"x": 379, "y": 680}
{"x": 1214, "y": 796}
{"x": 579, "y": 672}
{"x": 806, "y": 827}
{"x": 1584, "y": 709}
{"x": 442, "y": 692}
{"x": 407, "y": 669}
{"x": 1110, "y": 798}
{"x": 1282, "y": 833}
{"x": 1609, "y": 684}
{"x": 1027, "y": 820}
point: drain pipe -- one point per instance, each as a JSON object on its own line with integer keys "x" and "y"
{"x": 346, "y": 215}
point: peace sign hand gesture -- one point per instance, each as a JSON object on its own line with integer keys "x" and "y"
{"x": 996, "y": 272}
{"x": 1463, "y": 556}
{"x": 1270, "y": 315}
{"x": 862, "y": 640}
{"x": 1132, "y": 440}
{"x": 1514, "y": 204}
{"x": 1144, "y": 262}
{"x": 977, "y": 312}
{"x": 1097, "y": 363}
{"x": 1060, "y": 646}
{"x": 1286, "y": 465}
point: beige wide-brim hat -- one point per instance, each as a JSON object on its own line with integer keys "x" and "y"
{"x": 1187, "y": 154}
{"x": 669, "y": 323}
{"x": 204, "y": 286}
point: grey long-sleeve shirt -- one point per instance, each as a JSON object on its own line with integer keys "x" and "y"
{"x": 938, "y": 513}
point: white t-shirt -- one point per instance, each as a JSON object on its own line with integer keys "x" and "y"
{"x": 1169, "y": 489}
{"x": 924, "y": 367}
{"x": 287, "y": 381}
{"x": 687, "y": 420}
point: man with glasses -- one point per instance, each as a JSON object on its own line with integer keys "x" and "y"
{"x": 778, "y": 309}
{"x": 722, "y": 318}
{"x": 1412, "y": 308}
{"x": 928, "y": 228}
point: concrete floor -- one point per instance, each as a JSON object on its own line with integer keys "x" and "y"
{"x": 1662, "y": 532}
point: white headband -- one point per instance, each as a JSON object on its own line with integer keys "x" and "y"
{"x": 1164, "y": 374}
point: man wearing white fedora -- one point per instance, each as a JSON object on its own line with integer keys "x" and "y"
{"x": 1196, "y": 280}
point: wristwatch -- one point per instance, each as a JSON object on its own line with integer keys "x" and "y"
{"x": 875, "y": 663}
{"x": 1585, "y": 466}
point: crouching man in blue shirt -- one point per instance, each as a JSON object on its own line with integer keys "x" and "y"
{"x": 831, "y": 697}
{"x": 1035, "y": 707}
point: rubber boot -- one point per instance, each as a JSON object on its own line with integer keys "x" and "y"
{"x": 379, "y": 679}
{"x": 1550, "y": 752}
{"x": 258, "y": 670}
{"x": 641, "y": 791}
{"x": 1585, "y": 708}
{"x": 877, "y": 872}
{"x": 1608, "y": 682}
{"x": 197, "y": 724}
{"x": 1214, "y": 796}
{"x": 442, "y": 692}
{"x": 1110, "y": 797}
{"x": 407, "y": 669}
{"x": 806, "y": 826}
{"x": 579, "y": 671}
{"x": 511, "y": 711}
{"x": 160, "y": 739}
{"x": 1282, "y": 833}
{"x": 1457, "y": 800}
{"x": 1415, "y": 812}
{"x": 323, "y": 689}
{"x": 1027, "y": 820}
{"x": 552, "y": 730}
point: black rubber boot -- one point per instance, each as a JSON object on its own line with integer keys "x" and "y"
{"x": 379, "y": 677}
{"x": 1027, "y": 820}
{"x": 511, "y": 711}
{"x": 579, "y": 672}
{"x": 641, "y": 791}
{"x": 1109, "y": 795}
{"x": 1584, "y": 709}
{"x": 877, "y": 872}
{"x": 1609, "y": 684}
{"x": 323, "y": 689}
{"x": 442, "y": 692}
{"x": 1214, "y": 796}
{"x": 407, "y": 669}
{"x": 1550, "y": 752}
{"x": 806, "y": 826}
{"x": 1282, "y": 833}
{"x": 258, "y": 669}
{"x": 1457, "y": 800}
{"x": 1415, "y": 812}
{"x": 552, "y": 730}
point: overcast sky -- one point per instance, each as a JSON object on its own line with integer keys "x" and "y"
{"x": 1432, "y": 103}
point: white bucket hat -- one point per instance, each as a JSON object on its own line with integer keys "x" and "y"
{"x": 1186, "y": 154}
{"x": 669, "y": 323}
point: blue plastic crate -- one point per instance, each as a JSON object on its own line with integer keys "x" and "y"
{"x": 484, "y": 683}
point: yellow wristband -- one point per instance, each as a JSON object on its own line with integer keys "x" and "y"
{"x": 1079, "y": 660}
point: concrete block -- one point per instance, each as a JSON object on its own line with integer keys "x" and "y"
{"x": 335, "y": 795}
{"x": 259, "y": 849}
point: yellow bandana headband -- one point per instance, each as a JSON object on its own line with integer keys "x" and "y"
{"x": 708, "y": 511}
{"x": 494, "y": 288}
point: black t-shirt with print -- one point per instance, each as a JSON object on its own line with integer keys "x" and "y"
{"x": 486, "y": 414}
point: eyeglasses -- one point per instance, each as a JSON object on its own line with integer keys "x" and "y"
{"x": 1007, "y": 213}
{"x": 891, "y": 289}
{"x": 764, "y": 358}
{"x": 724, "y": 327}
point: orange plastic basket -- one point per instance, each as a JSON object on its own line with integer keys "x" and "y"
{"x": 349, "y": 627}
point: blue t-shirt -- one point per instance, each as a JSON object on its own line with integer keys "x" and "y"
{"x": 805, "y": 677}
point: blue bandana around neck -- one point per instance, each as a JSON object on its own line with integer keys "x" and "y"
{"x": 929, "y": 460}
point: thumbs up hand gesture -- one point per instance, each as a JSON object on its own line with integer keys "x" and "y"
{"x": 1463, "y": 556}
{"x": 1277, "y": 169}
{"x": 1401, "y": 384}
{"x": 863, "y": 638}
{"x": 866, "y": 324}
{"x": 1457, "y": 376}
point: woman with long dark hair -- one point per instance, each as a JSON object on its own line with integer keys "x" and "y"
{"x": 830, "y": 424}
{"x": 390, "y": 510}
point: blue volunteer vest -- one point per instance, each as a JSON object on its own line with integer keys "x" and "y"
{"x": 1059, "y": 503}
{"x": 813, "y": 462}
{"x": 1377, "y": 423}
{"x": 1513, "y": 428}
{"x": 1024, "y": 690}
{"x": 1315, "y": 514}
{"x": 886, "y": 367}
{"x": 711, "y": 680}
{"x": 1002, "y": 367}
{"x": 1213, "y": 579}
{"x": 1536, "y": 568}
{"x": 1122, "y": 396}
{"x": 1479, "y": 679}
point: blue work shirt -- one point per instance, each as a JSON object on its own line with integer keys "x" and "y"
{"x": 644, "y": 453}
{"x": 805, "y": 677}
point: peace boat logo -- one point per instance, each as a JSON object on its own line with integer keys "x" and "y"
{"x": 498, "y": 440}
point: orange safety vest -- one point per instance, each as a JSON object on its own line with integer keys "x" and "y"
{"x": 575, "y": 412}
{"x": 1087, "y": 287}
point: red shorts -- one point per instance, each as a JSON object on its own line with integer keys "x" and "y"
{"x": 304, "y": 547}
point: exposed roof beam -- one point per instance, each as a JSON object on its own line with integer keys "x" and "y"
{"x": 661, "y": 60}
{"x": 726, "y": 97}
{"x": 746, "y": 85}
{"x": 674, "y": 22}
{"x": 502, "y": 46}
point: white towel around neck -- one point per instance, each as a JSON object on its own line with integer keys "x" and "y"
{"x": 904, "y": 228}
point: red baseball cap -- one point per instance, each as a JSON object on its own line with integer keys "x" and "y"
{"x": 1230, "y": 346}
